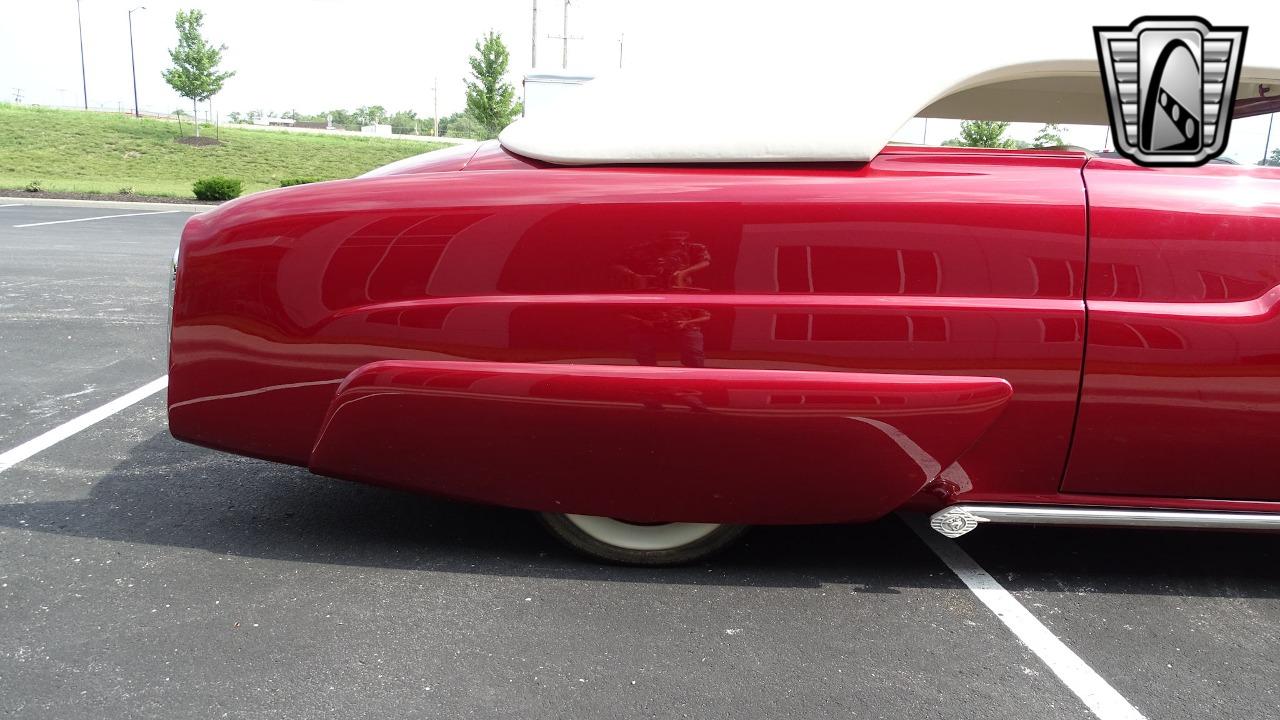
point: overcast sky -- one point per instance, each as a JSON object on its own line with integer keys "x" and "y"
{"x": 314, "y": 55}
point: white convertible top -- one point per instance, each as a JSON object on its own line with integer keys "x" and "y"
{"x": 846, "y": 94}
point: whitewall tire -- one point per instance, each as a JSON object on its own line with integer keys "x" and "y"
{"x": 641, "y": 544}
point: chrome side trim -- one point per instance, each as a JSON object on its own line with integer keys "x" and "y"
{"x": 957, "y": 520}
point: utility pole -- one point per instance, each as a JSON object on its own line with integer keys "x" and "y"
{"x": 566, "y": 37}
{"x": 564, "y": 62}
{"x": 621, "y": 38}
{"x": 534, "y": 64}
{"x": 84, "y": 81}
{"x": 1267, "y": 148}
{"x": 1262, "y": 92}
{"x": 133, "y": 66}
{"x": 435, "y": 106}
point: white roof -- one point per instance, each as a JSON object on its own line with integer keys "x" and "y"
{"x": 847, "y": 96}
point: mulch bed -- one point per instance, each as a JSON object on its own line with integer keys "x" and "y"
{"x": 18, "y": 194}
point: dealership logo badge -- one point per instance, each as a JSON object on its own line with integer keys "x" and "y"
{"x": 1170, "y": 83}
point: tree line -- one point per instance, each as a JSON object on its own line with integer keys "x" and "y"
{"x": 491, "y": 99}
{"x": 990, "y": 134}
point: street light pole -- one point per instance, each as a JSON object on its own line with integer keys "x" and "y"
{"x": 84, "y": 81}
{"x": 132, "y": 65}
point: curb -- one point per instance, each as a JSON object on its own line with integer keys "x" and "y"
{"x": 122, "y": 204}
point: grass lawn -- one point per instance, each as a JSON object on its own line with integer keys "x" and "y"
{"x": 75, "y": 151}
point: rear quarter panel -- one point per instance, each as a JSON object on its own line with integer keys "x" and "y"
{"x": 943, "y": 263}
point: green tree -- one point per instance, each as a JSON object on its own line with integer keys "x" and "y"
{"x": 340, "y": 118}
{"x": 490, "y": 98}
{"x": 1274, "y": 159}
{"x": 1049, "y": 136}
{"x": 195, "y": 72}
{"x": 983, "y": 134}
{"x": 369, "y": 115}
{"x": 405, "y": 122}
{"x": 448, "y": 120}
{"x": 462, "y": 125}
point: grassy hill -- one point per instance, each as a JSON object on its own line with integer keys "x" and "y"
{"x": 74, "y": 151}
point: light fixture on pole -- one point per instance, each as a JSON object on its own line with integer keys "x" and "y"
{"x": 133, "y": 67}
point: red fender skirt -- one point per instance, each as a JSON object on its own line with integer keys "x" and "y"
{"x": 655, "y": 444}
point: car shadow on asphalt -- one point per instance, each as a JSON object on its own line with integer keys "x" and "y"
{"x": 167, "y": 493}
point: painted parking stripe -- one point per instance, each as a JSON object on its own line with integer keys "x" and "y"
{"x": 1088, "y": 685}
{"x": 11, "y": 205}
{"x": 99, "y": 217}
{"x": 71, "y": 427}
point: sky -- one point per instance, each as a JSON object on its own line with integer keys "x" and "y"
{"x": 315, "y": 55}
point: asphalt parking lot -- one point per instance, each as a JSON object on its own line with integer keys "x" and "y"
{"x": 141, "y": 577}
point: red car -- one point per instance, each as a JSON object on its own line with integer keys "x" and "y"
{"x": 657, "y": 350}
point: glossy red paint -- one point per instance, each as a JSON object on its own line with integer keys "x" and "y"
{"x": 942, "y": 263}
{"x": 1182, "y": 381}
{"x": 699, "y": 444}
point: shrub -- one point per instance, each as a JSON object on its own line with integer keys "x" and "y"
{"x": 217, "y": 188}
{"x": 290, "y": 182}
{"x": 33, "y": 186}
{"x": 126, "y": 190}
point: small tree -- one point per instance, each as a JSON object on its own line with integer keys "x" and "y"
{"x": 982, "y": 134}
{"x": 1049, "y": 136}
{"x": 1274, "y": 158}
{"x": 195, "y": 73}
{"x": 490, "y": 98}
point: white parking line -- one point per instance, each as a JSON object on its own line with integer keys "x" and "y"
{"x": 99, "y": 217}
{"x": 11, "y": 205}
{"x": 71, "y": 427}
{"x": 1097, "y": 694}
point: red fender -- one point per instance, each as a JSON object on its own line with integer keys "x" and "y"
{"x": 655, "y": 444}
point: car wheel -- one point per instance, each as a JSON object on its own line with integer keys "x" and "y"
{"x": 641, "y": 544}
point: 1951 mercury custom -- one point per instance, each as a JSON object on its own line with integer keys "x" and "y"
{"x": 656, "y": 342}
